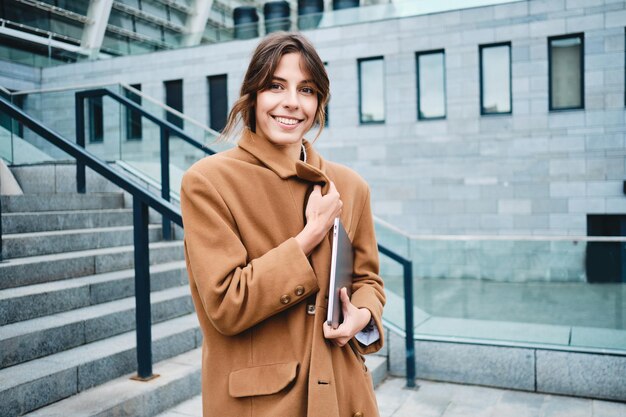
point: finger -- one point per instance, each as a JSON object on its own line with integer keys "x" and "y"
{"x": 345, "y": 301}
{"x": 317, "y": 189}
{"x": 327, "y": 331}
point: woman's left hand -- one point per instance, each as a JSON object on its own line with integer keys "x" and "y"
{"x": 354, "y": 320}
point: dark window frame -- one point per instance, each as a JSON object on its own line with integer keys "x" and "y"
{"x": 581, "y": 36}
{"x": 170, "y": 117}
{"x": 134, "y": 127}
{"x": 211, "y": 101}
{"x": 417, "y": 84}
{"x": 95, "y": 110}
{"x": 360, "y": 107}
{"x": 481, "y": 78}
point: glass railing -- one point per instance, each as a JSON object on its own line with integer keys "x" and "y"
{"x": 561, "y": 292}
{"x": 112, "y": 131}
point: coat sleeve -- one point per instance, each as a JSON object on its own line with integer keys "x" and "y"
{"x": 236, "y": 293}
{"x": 367, "y": 286}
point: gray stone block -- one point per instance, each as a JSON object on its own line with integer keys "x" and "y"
{"x": 38, "y": 222}
{"x": 582, "y": 374}
{"x": 476, "y": 364}
{"x": 44, "y": 243}
{"x": 397, "y": 354}
{"x": 98, "y": 371}
{"x": 25, "y": 347}
{"x": 16, "y": 273}
{"x": 49, "y": 202}
{"x": 15, "y": 307}
{"x": 35, "y": 179}
{"x": 179, "y": 380}
{"x": 21, "y": 399}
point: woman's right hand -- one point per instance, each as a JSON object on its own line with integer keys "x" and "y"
{"x": 320, "y": 212}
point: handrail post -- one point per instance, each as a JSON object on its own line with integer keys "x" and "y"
{"x": 165, "y": 178}
{"x": 142, "y": 291}
{"x": 80, "y": 141}
{"x": 408, "y": 320}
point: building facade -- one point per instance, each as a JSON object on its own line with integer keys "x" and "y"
{"x": 518, "y": 127}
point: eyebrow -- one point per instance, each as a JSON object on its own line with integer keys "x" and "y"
{"x": 301, "y": 82}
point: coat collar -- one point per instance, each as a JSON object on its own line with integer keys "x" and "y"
{"x": 313, "y": 170}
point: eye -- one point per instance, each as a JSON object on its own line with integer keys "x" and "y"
{"x": 275, "y": 86}
{"x": 307, "y": 90}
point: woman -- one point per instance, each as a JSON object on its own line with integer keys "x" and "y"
{"x": 257, "y": 221}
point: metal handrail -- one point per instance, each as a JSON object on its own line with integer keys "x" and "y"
{"x": 141, "y": 201}
{"x": 125, "y": 86}
{"x": 166, "y": 129}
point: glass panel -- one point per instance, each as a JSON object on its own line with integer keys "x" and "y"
{"x": 142, "y": 157}
{"x": 566, "y": 73}
{"x": 76, "y": 6}
{"x": 148, "y": 29}
{"x": 431, "y": 85}
{"x": 121, "y": 19}
{"x": 535, "y": 290}
{"x": 495, "y": 67}
{"x": 218, "y": 101}
{"x": 372, "y": 93}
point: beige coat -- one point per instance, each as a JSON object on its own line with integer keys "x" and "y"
{"x": 260, "y": 301}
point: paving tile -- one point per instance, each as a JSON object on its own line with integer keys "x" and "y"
{"x": 608, "y": 409}
{"x": 442, "y": 399}
{"x": 557, "y": 406}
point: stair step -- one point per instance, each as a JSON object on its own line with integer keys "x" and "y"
{"x": 179, "y": 380}
{"x": 31, "y": 385}
{"x": 59, "y": 241}
{"x": 64, "y": 220}
{"x": 61, "y": 201}
{"x": 37, "y": 300}
{"x": 43, "y": 336}
{"x": 45, "y": 268}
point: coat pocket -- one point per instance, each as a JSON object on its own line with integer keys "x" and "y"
{"x": 261, "y": 380}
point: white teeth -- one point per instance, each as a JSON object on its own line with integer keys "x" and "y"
{"x": 286, "y": 121}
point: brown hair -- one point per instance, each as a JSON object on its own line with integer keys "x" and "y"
{"x": 261, "y": 70}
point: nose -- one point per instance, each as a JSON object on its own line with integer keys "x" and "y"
{"x": 291, "y": 100}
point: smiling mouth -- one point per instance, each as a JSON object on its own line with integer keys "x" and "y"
{"x": 286, "y": 120}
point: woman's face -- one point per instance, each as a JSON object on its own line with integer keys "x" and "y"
{"x": 286, "y": 110}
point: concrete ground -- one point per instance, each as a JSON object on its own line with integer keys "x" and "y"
{"x": 440, "y": 399}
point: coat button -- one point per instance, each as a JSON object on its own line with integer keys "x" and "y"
{"x": 299, "y": 290}
{"x": 357, "y": 414}
{"x": 310, "y": 309}
{"x": 285, "y": 299}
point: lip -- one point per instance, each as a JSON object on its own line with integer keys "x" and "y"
{"x": 285, "y": 125}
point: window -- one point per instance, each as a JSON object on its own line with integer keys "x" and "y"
{"x": 133, "y": 117}
{"x": 431, "y": 85}
{"x": 174, "y": 99}
{"x": 96, "y": 119}
{"x": 566, "y": 69}
{"x": 606, "y": 261}
{"x": 495, "y": 78}
{"x": 218, "y": 101}
{"x": 371, "y": 90}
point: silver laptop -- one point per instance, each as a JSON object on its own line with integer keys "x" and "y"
{"x": 341, "y": 268}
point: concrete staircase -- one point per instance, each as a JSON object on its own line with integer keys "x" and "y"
{"x": 67, "y": 309}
